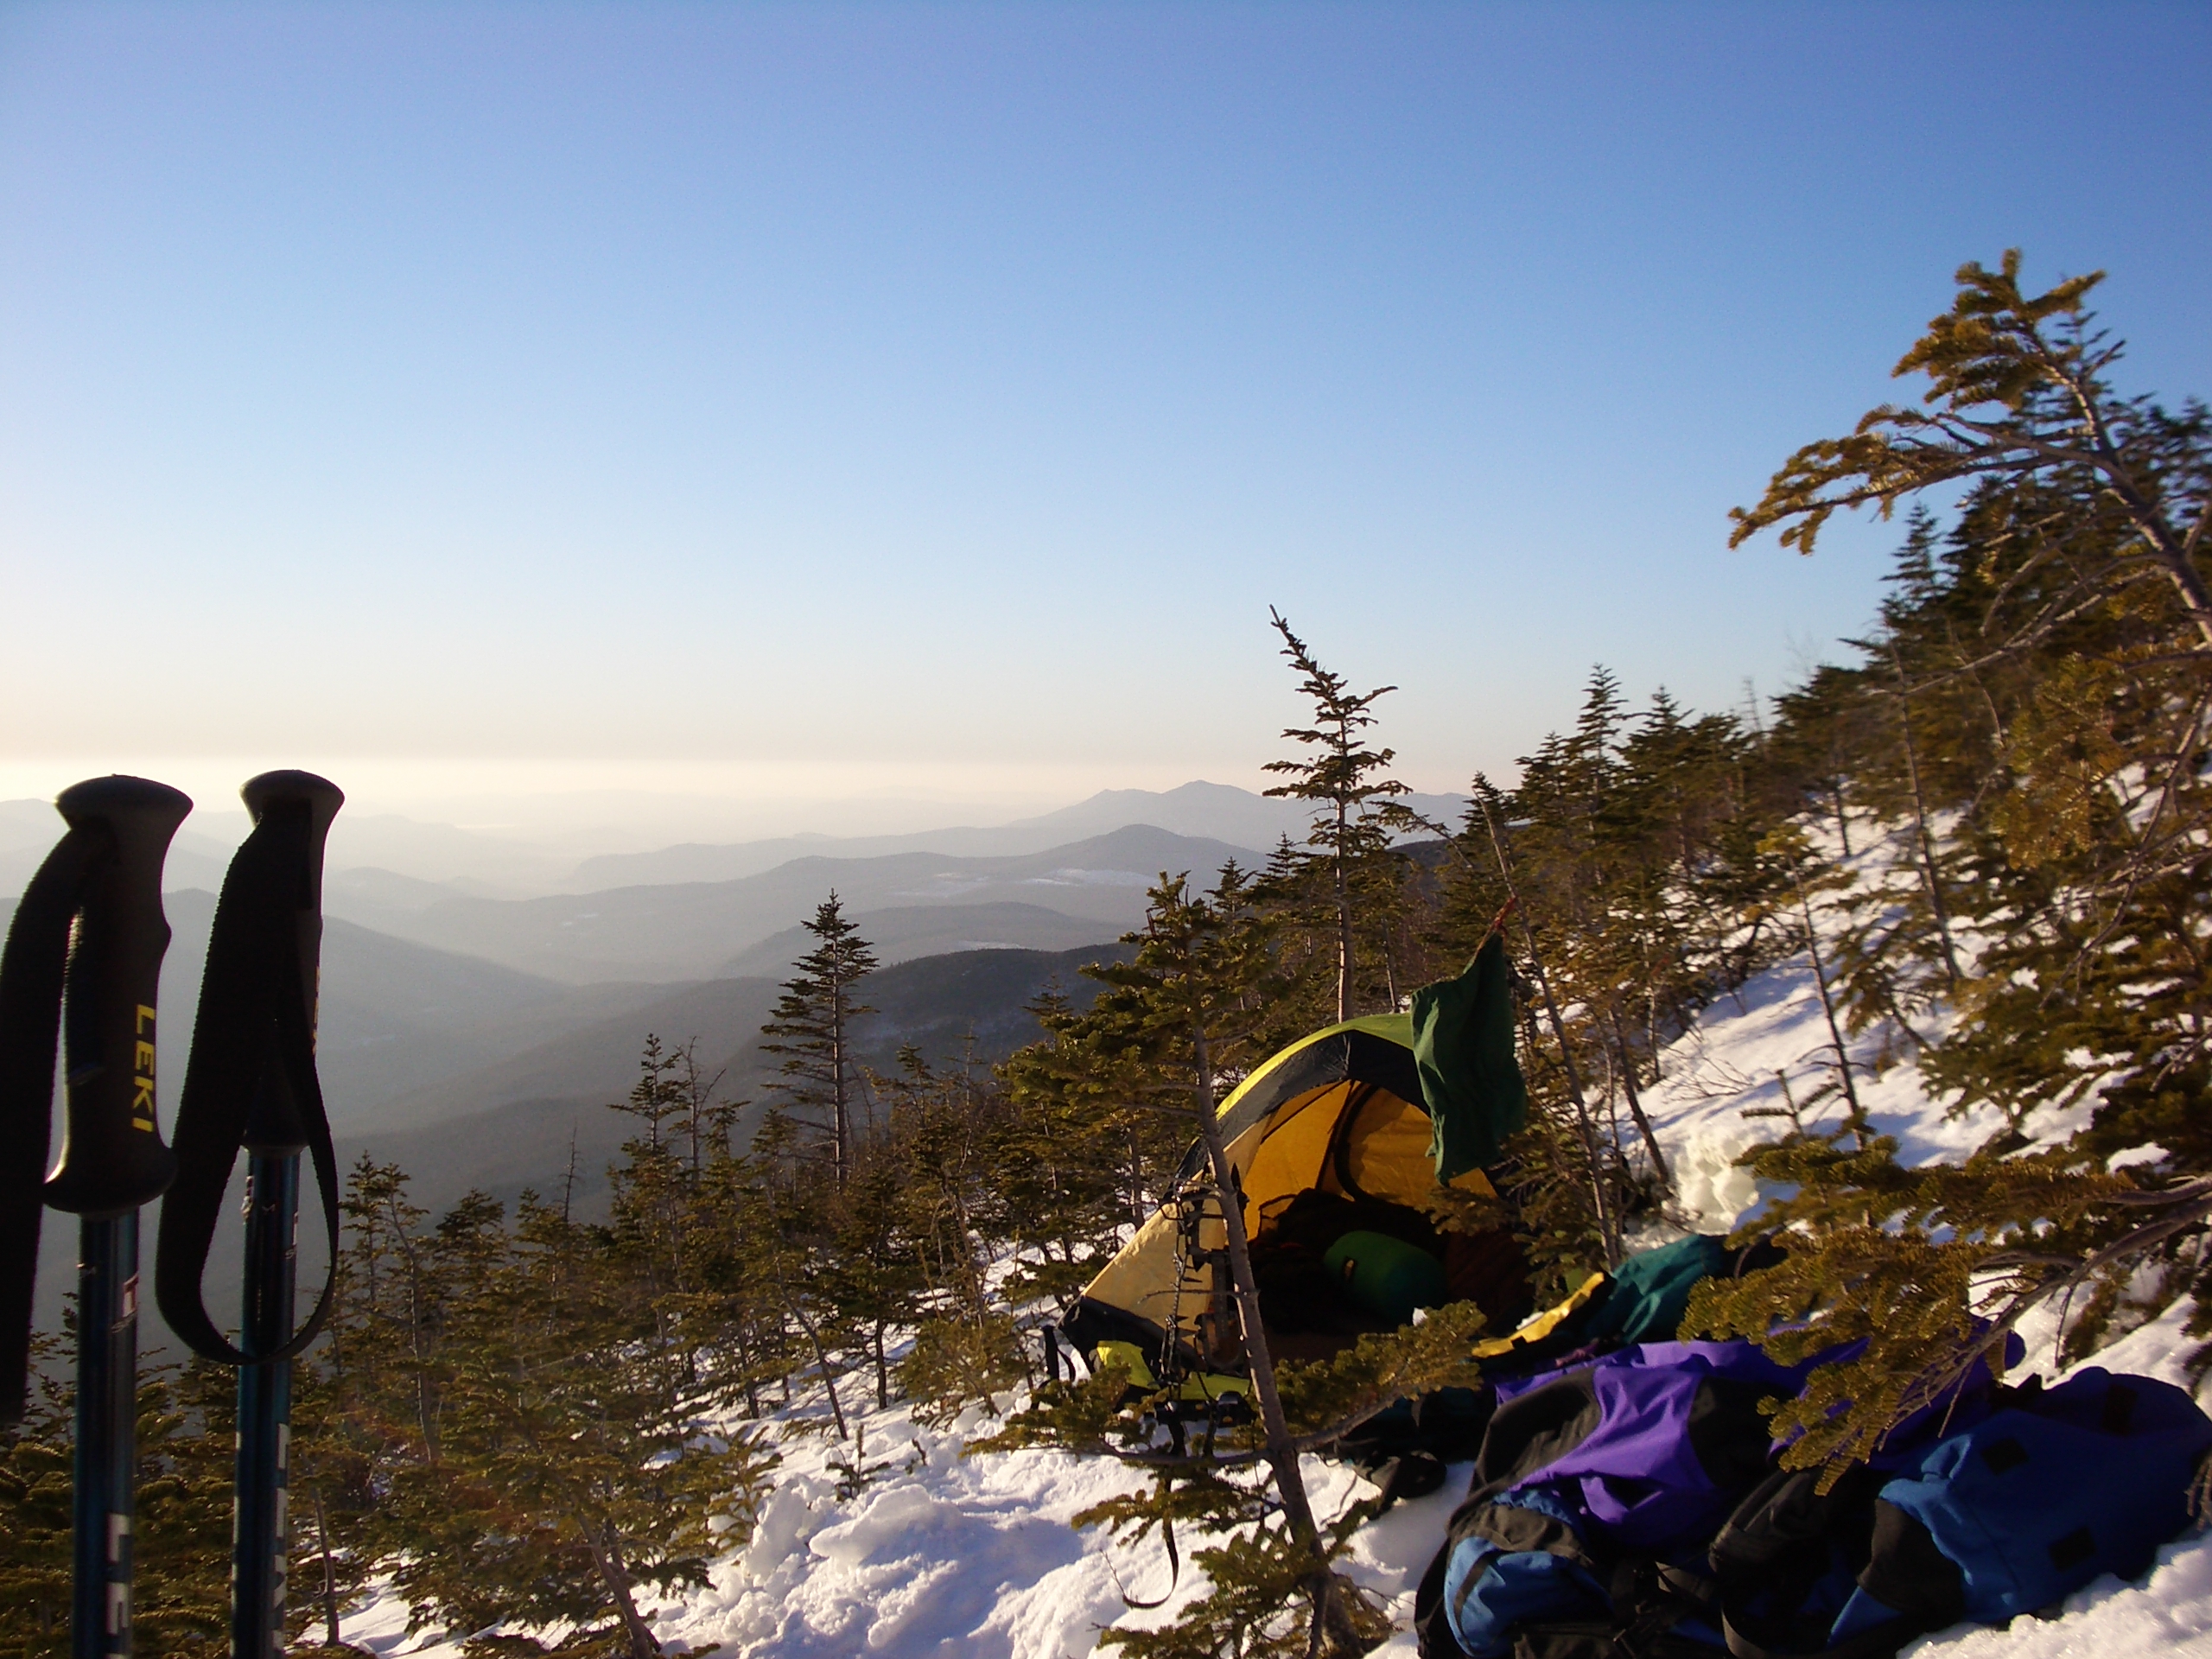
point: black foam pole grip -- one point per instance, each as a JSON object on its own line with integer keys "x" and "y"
{"x": 112, "y": 1155}
{"x": 277, "y": 1120}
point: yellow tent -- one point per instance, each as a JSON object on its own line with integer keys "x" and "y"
{"x": 1338, "y": 1112}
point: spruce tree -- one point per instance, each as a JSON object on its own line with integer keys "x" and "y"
{"x": 1079, "y": 1160}
{"x": 333, "y": 1471}
{"x": 811, "y": 1027}
{"x": 946, "y": 1130}
{"x": 1627, "y": 867}
{"x": 575, "y": 1473}
{"x": 790, "y": 1208}
{"x": 1348, "y": 785}
{"x": 180, "y": 1601}
{"x": 2017, "y": 394}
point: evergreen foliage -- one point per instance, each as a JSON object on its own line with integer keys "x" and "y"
{"x": 35, "y": 1516}
{"x": 511, "y": 1420}
{"x": 184, "y": 1429}
{"x": 2028, "y": 732}
{"x": 1349, "y": 785}
{"x": 811, "y": 1028}
{"x": 1630, "y": 866}
{"x": 1081, "y": 1157}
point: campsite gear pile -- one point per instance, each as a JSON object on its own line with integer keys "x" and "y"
{"x": 1632, "y": 1506}
{"x": 81, "y": 972}
{"x": 1403, "y": 1449}
{"x": 1627, "y": 1502}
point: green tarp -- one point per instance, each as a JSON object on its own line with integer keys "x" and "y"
{"x": 1463, "y": 1048}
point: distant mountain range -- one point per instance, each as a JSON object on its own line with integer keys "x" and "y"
{"x": 1067, "y": 895}
{"x": 386, "y": 861}
{"x": 510, "y": 1125}
{"x": 1202, "y": 810}
{"x": 468, "y": 1073}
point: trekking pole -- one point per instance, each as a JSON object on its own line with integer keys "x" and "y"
{"x": 82, "y": 967}
{"x": 251, "y": 1086}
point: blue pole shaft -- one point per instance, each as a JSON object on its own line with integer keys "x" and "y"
{"x": 261, "y": 1543}
{"x": 107, "y": 1425}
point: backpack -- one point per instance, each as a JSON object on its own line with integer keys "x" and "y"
{"x": 1593, "y": 1495}
{"x": 1992, "y": 1521}
{"x": 1598, "y": 1494}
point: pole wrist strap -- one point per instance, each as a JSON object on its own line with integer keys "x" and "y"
{"x": 255, "y": 1032}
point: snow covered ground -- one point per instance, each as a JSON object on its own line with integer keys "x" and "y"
{"x": 944, "y": 1555}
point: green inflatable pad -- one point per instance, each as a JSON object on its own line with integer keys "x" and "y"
{"x": 1387, "y": 1276}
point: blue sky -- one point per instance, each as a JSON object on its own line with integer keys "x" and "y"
{"x": 924, "y": 404}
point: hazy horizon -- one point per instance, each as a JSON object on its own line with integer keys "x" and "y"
{"x": 546, "y": 834}
{"x": 596, "y": 821}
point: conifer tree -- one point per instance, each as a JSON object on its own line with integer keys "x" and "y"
{"x": 332, "y": 1480}
{"x": 735, "y": 1334}
{"x": 1597, "y": 1164}
{"x": 2017, "y": 394}
{"x": 1079, "y": 1160}
{"x": 1348, "y": 785}
{"x": 871, "y": 1271}
{"x": 363, "y": 1400}
{"x": 2041, "y": 683}
{"x": 574, "y": 1472}
{"x": 180, "y": 1602}
{"x": 1820, "y": 741}
{"x": 958, "y": 1209}
{"x": 1628, "y": 860}
{"x": 811, "y": 1027}
{"x": 790, "y": 1210}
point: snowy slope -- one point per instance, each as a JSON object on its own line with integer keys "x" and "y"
{"x": 946, "y": 1555}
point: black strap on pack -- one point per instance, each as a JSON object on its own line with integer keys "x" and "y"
{"x": 252, "y": 1079}
{"x": 31, "y": 971}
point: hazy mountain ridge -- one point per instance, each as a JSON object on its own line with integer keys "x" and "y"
{"x": 900, "y": 933}
{"x": 473, "y": 1070}
{"x": 394, "y": 1015}
{"x": 1203, "y": 811}
{"x": 688, "y": 930}
{"x": 510, "y": 1126}
{"x": 403, "y": 1015}
{"x": 383, "y": 863}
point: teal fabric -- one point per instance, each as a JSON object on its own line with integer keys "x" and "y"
{"x": 1462, "y": 1049}
{"x": 1387, "y": 1276}
{"x": 1650, "y": 1292}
